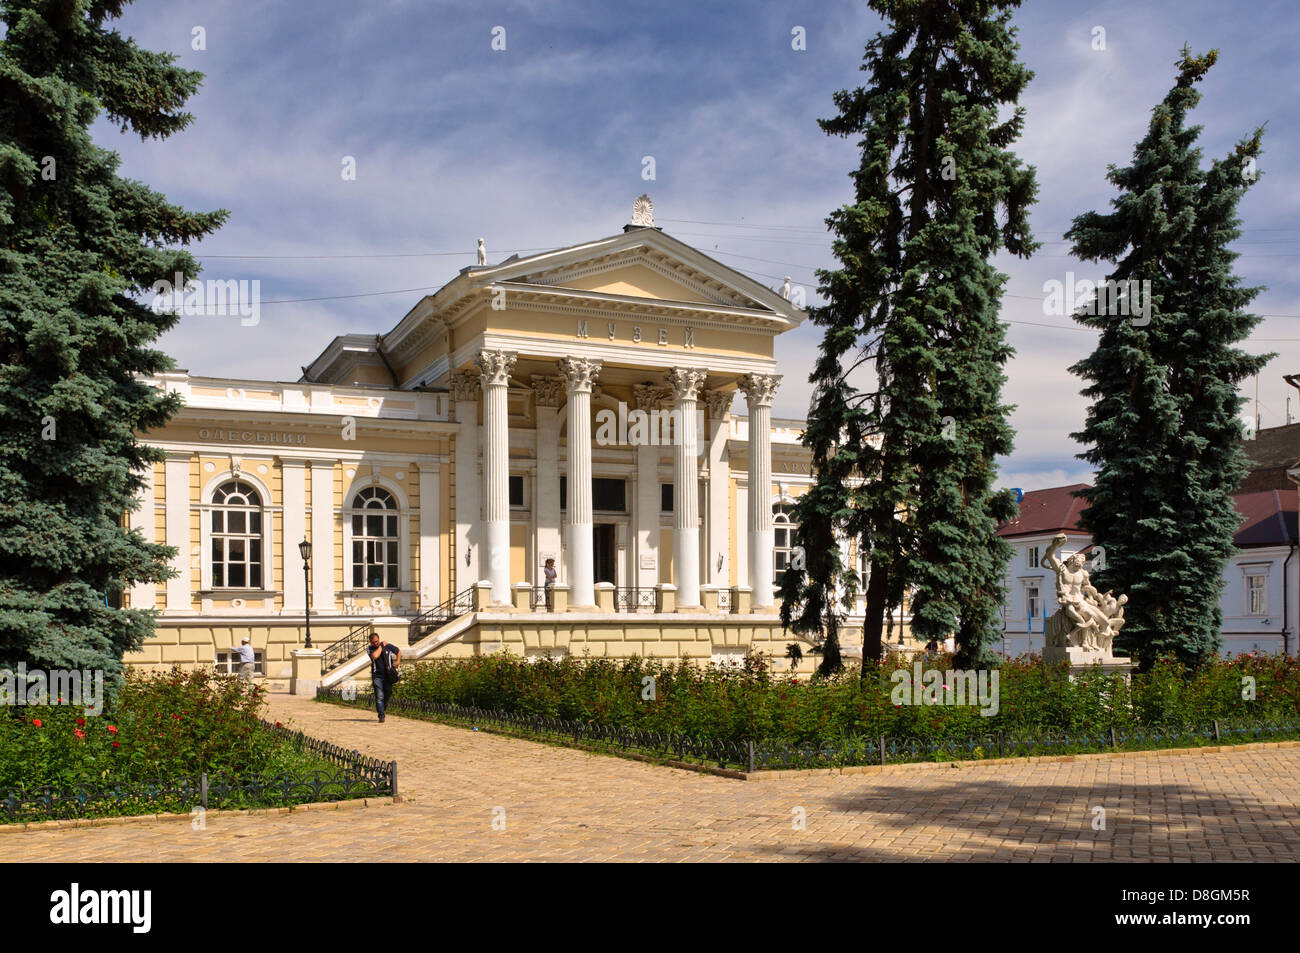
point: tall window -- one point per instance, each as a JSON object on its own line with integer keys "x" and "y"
{"x": 783, "y": 531}
{"x": 1031, "y": 557}
{"x": 236, "y": 536}
{"x": 374, "y": 539}
{"x": 1032, "y": 606}
{"x": 1256, "y": 593}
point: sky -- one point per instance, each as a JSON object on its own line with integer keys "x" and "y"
{"x": 542, "y": 145}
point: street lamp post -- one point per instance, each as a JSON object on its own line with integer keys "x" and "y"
{"x": 305, "y": 548}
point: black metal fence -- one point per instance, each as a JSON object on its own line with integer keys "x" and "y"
{"x": 357, "y": 776}
{"x": 346, "y": 647}
{"x": 431, "y": 619}
{"x": 634, "y": 599}
{"x": 848, "y": 751}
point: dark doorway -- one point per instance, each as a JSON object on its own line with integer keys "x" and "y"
{"x": 604, "y": 551}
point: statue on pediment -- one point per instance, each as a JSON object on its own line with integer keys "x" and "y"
{"x": 643, "y": 211}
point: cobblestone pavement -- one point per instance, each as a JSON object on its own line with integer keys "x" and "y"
{"x": 560, "y": 804}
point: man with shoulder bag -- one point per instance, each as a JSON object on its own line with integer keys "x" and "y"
{"x": 384, "y": 661}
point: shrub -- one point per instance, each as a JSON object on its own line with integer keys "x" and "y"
{"x": 746, "y": 701}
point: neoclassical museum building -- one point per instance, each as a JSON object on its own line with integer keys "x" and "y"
{"x": 606, "y": 406}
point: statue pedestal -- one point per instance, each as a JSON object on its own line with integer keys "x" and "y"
{"x": 1083, "y": 660}
{"x": 1057, "y": 649}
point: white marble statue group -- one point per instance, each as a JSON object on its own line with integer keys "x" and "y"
{"x": 1088, "y": 620}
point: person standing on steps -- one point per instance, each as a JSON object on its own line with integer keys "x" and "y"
{"x": 384, "y": 660}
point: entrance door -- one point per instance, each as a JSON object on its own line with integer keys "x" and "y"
{"x": 604, "y": 552}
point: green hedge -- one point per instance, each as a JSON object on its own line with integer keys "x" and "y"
{"x": 748, "y": 702}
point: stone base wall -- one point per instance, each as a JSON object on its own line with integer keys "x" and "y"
{"x": 700, "y": 636}
{"x": 195, "y": 644}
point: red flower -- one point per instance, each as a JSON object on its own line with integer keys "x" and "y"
{"x": 79, "y": 733}
{"x": 116, "y": 745}
{"x": 278, "y": 725}
{"x": 113, "y": 729}
{"x": 36, "y": 722}
{"x": 81, "y": 723}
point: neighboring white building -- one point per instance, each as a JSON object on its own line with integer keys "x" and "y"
{"x": 1261, "y": 594}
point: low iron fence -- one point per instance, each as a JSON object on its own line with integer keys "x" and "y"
{"x": 634, "y": 599}
{"x": 853, "y": 750}
{"x": 357, "y": 776}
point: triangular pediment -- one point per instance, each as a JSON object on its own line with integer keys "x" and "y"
{"x": 642, "y": 263}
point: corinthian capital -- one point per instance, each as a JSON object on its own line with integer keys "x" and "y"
{"x": 685, "y": 382}
{"x": 719, "y": 402}
{"x": 465, "y": 385}
{"x": 759, "y": 388}
{"x": 548, "y": 391}
{"x": 579, "y": 373}
{"x": 648, "y": 396}
{"x": 495, "y": 367}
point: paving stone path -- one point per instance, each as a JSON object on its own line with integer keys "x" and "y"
{"x": 560, "y": 804}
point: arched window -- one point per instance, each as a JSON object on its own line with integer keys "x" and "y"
{"x": 375, "y": 539}
{"x": 783, "y": 542}
{"x": 236, "y": 536}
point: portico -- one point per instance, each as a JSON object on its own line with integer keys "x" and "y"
{"x": 542, "y": 356}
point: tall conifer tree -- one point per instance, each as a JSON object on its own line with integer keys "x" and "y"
{"x": 907, "y": 469}
{"x": 1164, "y": 428}
{"x": 77, "y": 242}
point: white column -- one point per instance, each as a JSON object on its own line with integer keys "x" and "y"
{"x": 294, "y": 475}
{"x": 494, "y": 374}
{"x": 322, "y": 537}
{"x": 579, "y": 374}
{"x": 465, "y": 572}
{"x": 177, "y": 490}
{"x": 685, "y": 383}
{"x": 717, "y": 521}
{"x": 430, "y": 535}
{"x": 548, "y": 397}
{"x": 648, "y": 498}
{"x": 144, "y": 595}
{"x": 759, "y": 390}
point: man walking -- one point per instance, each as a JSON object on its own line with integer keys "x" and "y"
{"x": 246, "y": 660}
{"x": 384, "y": 659}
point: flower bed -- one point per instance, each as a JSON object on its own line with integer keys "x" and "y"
{"x": 168, "y": 742}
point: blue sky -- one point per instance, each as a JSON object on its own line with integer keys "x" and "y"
{"x": 541, "y": 145}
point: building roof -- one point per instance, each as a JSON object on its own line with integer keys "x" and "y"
{"x": 1048, "y": 511}
{"x": 1271, "y": 453}
{"x": 1268, "y": 517}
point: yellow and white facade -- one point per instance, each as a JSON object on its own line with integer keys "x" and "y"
{"x": 526, "y": 411}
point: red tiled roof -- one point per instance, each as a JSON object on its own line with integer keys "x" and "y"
{"x": 1047, "y": 511}
{"x": 1269, "y": 517}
